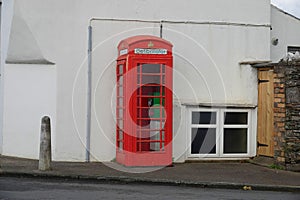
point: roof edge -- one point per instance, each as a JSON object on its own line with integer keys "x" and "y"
{"x": 284, "y": 12}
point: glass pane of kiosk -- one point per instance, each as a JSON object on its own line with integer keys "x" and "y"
{"x": 120, "y": 107}
{"x": 150, "y": 107}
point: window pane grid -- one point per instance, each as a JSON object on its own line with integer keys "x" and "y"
{"x": 204, "y": 126}
{"x": 232, "y": 131}
{"x": 150, "y": 94}
{"x": 203, "y": 141}
{"x": 120, "y": 107}
{"x": 231, "y": 118}
{"x": 235, "y": 126}
{"x": 235, "y": 141}
{"x": 204, "y": 117}
{"x": 152, "y": 74}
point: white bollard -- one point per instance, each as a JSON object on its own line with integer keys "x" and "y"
{"x": 45, "y": 145}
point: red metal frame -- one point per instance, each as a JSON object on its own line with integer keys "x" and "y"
{"x": 144, "y": 102}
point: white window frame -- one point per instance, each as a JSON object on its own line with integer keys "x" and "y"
{"x": 223, "y": 111}
{"x": 189, "y": 139}
{"x": 251, "y": 135}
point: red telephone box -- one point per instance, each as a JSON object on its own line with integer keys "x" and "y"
{"x": 144, "y": 102}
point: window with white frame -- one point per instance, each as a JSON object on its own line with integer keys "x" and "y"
{"x": 293, "y": 49}
{"x": 219, "y": 132}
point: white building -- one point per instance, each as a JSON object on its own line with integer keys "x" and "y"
{"x": 44, "y": 47}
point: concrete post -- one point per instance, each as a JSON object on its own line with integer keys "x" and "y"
{"x": 45, "y": 144}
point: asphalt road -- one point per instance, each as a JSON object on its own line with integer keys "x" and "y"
{"x": 26, "y": 188}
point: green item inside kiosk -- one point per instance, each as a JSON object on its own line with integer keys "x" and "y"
{"x": 155, "y": 109}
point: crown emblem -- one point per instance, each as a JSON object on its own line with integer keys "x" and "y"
{"x": 150, "y": 44}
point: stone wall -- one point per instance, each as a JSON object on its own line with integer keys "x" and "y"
{"x": 287, "y": 113}
{"x": 279, "y": 113}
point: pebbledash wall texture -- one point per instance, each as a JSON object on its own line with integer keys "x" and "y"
{"x": 287, "y": 113}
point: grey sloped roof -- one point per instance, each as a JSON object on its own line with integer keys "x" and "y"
{"x": 289, "y": 14}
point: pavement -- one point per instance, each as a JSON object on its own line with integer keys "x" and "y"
{"x": 228, "y": 175}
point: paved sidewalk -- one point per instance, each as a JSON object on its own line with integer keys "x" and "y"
{"x": 233, "y": 175}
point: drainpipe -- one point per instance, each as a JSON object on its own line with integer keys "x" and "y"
{"x": 89, "y": 96}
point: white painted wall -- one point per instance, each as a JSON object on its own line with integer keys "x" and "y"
{"x": 286, "y": 29}
{"x": 6, "y": 18}
{"x": 29, "y": 94}
{"x": 28, "y": 91}
{"x": 206, "y": 60}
